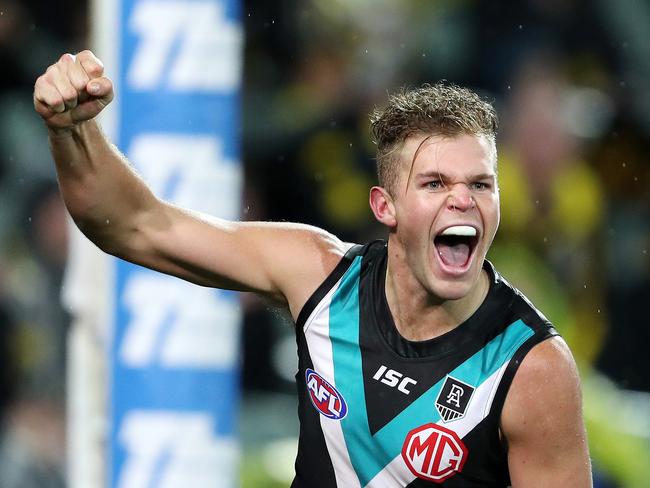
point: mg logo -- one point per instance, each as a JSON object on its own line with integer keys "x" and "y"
{"x": 434, "y": 453}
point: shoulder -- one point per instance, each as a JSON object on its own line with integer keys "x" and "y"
{"x": 310, "y": 243}
{"x": 547, "y": 369}
{"x": 542, "y": 419}
{"x": 303, "y": 257}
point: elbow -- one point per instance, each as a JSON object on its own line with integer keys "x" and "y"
{"x": 107, "y": 235}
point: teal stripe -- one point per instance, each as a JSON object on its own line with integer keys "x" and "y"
{"x": 366, "y": 454}
{"x": 474, "y": 372}
{"x": 370, "y": 454}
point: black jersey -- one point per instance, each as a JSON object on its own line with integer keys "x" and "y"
{"x": 378, "y": 410}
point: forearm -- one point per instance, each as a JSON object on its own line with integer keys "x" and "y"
{"x": 118, "y": 212}
{"x": 104, "y": 196}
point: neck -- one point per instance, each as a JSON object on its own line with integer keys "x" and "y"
{"x": 419, "y": 314}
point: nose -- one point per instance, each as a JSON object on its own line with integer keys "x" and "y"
{"x": 460, "y": 198}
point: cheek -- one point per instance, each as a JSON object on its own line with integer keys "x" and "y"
{"x": 490, "y": 210}
{"x": 495, "y": 216}
{"x": 415, "y": 217}
{"x": 496, "y": 208}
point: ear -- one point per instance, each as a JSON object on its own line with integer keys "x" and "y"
{"x": 382, "y": 206}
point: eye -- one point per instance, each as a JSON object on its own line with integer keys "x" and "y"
{"x": 479, "y": 186}
{"x": 434, "y": 185}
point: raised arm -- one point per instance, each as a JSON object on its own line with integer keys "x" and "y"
{"x": 542, "y": 421}
{"x": 115, "y": 209}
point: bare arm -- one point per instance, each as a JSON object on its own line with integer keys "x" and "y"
{"x": 542, "y": 421}
{"x": 118, "y": 212}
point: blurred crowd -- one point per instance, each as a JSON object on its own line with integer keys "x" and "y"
{"x": 33, "y": 249}
{"x": 571, "y": 82}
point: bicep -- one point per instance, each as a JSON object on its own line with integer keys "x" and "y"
{"x": 542, "y": 421}
{"x": 280, "y": 260}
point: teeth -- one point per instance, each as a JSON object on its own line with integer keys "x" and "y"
{"x": 459, "y": 230}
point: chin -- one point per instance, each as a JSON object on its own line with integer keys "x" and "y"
{"x": 452, "y": 291}
{"x": 454, "y": 286}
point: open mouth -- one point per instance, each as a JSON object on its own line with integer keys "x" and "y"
{"x": 455, "y": 246}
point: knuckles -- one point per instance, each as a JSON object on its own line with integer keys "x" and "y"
{"x": 94, "y": 69}
{"x": 91, "y": 64}
{"x": 67, "y": 58}
{"x": 42, "y": 82}
{"x": 51, "y": 69}
{"x": 88, "y": 62}
{"x": 86, "y": 53}
{"x": 69, "y": 95}
{"x": 60, "y": 85}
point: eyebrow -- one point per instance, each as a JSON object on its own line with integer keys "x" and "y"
{"x": 444, "y": 177}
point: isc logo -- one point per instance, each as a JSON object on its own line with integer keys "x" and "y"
{"x": 393, "y": 379}
{"x": 433, "y": 452}
{"x": 327, "y": 400}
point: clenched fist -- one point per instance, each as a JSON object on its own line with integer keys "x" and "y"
{"x": 72, "y": 90}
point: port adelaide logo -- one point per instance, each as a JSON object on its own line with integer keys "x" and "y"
{"x": 453, "y": 399}
{"x": 325, "y": 398}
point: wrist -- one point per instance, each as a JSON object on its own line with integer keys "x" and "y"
{"x": 65, "y": 132}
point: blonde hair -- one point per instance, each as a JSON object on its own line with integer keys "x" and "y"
{"x": 440, "y": 109}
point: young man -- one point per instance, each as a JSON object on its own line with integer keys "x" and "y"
{"x": 419, "y": 364}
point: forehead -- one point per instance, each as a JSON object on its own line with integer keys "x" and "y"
{"x": 458, "y": 156}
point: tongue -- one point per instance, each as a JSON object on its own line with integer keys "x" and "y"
{"x": 453, "y": 255}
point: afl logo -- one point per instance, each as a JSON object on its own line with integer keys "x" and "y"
{"x": 327, "y": 400}
{"x": 434, "y": 453}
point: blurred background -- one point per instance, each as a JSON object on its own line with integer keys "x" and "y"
{"x": 571, "y": 82}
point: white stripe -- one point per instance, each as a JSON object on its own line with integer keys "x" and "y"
{"x": 396, "y": 473}
{"x": 316, "y": 331}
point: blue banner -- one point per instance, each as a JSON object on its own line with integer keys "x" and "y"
{"x": 174, "y": 353}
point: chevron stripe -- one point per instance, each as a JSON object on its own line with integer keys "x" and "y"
{"x": 358, "y": 457}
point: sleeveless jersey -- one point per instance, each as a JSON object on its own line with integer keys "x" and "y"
{"x": 377, "y": 410}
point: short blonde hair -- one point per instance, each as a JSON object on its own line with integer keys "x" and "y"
{"x": 440, "y": 109}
